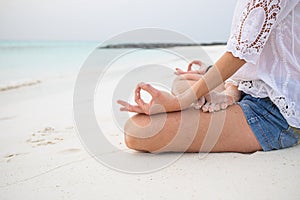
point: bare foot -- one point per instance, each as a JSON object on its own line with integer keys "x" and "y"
{"x": 198, "y": 105}
{"x": 216, "y": 101}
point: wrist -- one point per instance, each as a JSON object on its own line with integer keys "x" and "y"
{"x": 208, "y": 68}
{"x": 186, "y": 99}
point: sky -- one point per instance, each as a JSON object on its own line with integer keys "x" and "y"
{"x": 98, "y": 20}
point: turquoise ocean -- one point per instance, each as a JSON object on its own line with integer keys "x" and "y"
{"x": 30, "y": 61}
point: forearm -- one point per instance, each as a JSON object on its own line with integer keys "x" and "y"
{"x": 224, "y": 68}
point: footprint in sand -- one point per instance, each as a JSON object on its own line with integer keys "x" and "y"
{"x": 71, "y": 150}
{"x": 7, "y": 118}
{"x": 47, "y": 136}
{"x": 11, "y": 156}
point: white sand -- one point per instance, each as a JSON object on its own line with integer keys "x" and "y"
{"x": 42, "y": 158}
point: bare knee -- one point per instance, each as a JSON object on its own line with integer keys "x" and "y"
{"x": 135, "y": 143}
{"x": 135, "y": 133}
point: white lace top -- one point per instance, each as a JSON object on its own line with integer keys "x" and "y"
{"x": 266, "y": 34}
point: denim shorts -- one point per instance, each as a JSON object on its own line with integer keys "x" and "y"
{"x": 269, "y": 126}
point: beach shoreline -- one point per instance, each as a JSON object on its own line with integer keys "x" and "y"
{"x": 43, "y": 157}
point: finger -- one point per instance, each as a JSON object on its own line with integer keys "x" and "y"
{"x": 129, "y": 107}
{"x": 132, "y": 108}
{"x": 123, "y": 103}
{"x": 126, "y": 106}
{"x": 188, "y": 72}
{"x": 201, "y": 71}
{"x": 143, "y": 106}
{"x": 179, "y": 71}
{"x": 123, "y": 109}
{"x": 195, "y": 62}
{"x": 189, "y": 68}
{"x": 148, "y": 88}
{"x": 192, "y": 72}
{"x": 137, "y": 96}
{"x": 190, "y": 77}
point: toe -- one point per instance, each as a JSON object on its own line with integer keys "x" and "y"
{"x": 224, "y": 106}
{"x": 211, "y": 108}
{"x": 205, "y": 107}
{"x": 217, "y": 107}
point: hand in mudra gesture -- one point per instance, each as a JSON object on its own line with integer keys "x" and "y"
{"x": 213, "y": 101}
{"x": 165, "y": 102}
{"x": 161, "y": 101}
{"x": 202, "y": 68}
{"x": 190, "y": 76}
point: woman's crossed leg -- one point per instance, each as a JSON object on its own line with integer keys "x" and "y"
{"x": 191, "y": 131}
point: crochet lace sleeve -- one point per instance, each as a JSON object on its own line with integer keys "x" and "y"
{"x": 252, "y": 25}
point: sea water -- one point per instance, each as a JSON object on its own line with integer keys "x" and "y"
{"x": 31, "y": 61}
{"x": 25, "y": 63}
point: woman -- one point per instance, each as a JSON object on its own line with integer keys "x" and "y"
{"x": 262, "y": 60}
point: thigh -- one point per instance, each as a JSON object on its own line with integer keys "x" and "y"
{"x": 192, "y": 131}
